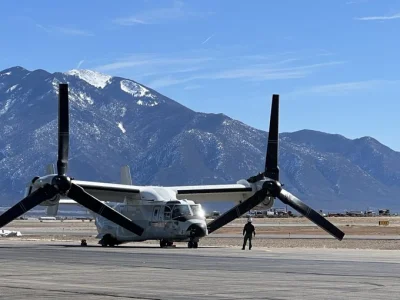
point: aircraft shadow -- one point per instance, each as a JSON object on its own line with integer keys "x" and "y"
{"x": 128, "y": 247}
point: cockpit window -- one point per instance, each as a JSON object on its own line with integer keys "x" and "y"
{"x": 197, "y": 210}
{"x": 181, "y": 210}
{"x": 167, "y": 213}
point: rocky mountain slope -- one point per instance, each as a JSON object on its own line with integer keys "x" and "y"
{"x": 116, "y": 121}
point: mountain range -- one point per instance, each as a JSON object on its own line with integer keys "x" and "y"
{"x": 116, "y": 121}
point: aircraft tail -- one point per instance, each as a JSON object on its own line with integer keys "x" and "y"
{"x": 126, "y": 177}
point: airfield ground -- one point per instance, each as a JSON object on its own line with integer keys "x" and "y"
{"x": 361, "y": 233}
{"x": 47, "y": 262}
{"x": 64, "y": 270}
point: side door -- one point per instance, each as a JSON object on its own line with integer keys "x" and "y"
{"x": 156, "y": 214}
{"x": 157, "y": 225}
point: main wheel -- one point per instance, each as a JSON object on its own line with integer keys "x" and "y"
{"x": 195, "y": 244}
{"x": 190, "y": 244}
{"x": 163, "y": 243}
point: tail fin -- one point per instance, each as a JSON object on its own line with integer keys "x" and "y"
{"x": 50, "y": 169}
{"x": 271, "y": 160}
{"x": 126, "y": 177}
{"x": 51, "y": 210}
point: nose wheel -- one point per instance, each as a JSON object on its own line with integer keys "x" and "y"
{"x": 193, "y": 244}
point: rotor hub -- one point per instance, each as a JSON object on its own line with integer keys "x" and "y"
{"x": 63, "y": 183}
{"x": 273, "y": 187}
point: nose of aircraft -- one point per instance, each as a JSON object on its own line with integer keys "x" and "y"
{"x": 197, "y": 230}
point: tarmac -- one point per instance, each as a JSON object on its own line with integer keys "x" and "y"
{"x": 62, "y": 270}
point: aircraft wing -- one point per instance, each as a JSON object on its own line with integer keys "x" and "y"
{"x": 212, "y": 193}
{"x": 111, "y": 192}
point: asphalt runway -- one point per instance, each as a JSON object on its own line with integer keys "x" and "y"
{"x": 55, "y": 270}
{"x": 309, "y": 236}
{"x": 85, "y": 233}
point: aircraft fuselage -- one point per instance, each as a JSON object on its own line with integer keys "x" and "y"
{"x": 167, "y": 221}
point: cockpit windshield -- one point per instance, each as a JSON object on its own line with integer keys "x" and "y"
{"x": 181, "y": 210}
{"x": 197, "y": 210}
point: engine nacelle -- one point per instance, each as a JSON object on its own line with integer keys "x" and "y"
{"x": 267, "y": 203}
{"x": 52, "y": 201}
{"x": 38, "y": 182}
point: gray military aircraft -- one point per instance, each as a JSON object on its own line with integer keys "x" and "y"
{"x": 165, "y": 213}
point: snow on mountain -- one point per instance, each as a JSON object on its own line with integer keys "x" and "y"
{"x": 116, "y": 121}
{"x": 135, "y": 89}
{"x": 96, "y": 79}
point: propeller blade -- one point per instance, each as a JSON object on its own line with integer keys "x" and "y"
{"x": 237, "y": 211}
{"x": 271, "y": 159}
{"x": 35, "y": 198}
{"x": 78, "y": 194}
{"x": 63, "y": 129}
{"x": 309, "y": 213}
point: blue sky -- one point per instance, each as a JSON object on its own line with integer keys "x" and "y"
{"x": 335, "y": 63}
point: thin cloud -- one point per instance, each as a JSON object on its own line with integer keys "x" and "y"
{"x": 161, "y": 71}
{"x": 192, "y": 87}
{"x": 64, "y": 30}
{"x": 129, "y": 21}
{"x": 173, "y": 70}
{"x": 379, "y": 18}
{"x": 261, "y": 72}
{"x": 168, "y": 81}
{"x": 251, "y": 73}
{"x": 150, "y": 60}
{"x": 160, "y": 15}
{"x": 207, "y": 39}
{"x": 80, "y": 63}
{"x": 344, "y": 87}
{"x": 356, "y": 2}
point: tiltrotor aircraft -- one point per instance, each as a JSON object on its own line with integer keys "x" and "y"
{"x": 168, "y": 214}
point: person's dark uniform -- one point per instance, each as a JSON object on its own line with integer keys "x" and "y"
{"x": 248, "y": 230}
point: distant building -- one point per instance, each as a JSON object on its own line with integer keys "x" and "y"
{"x": 384, "y": 212}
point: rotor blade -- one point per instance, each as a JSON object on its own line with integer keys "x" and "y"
{"x": 309, "y": 213}
{"x": 63, "y": 129}
{"x": 237, "y": 211}
{"x": 78, "y": 194}
{"x": 271, "y": 159}
{"x": 35, "y": 198}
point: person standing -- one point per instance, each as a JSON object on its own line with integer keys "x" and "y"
{"x": 248, "y": 231}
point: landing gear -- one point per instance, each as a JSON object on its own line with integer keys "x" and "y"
{"x": 193, "y": 244}
{"x": 83, "y": 243}
{"x": 108, "y": 240}
{"x": 165, "y": 243}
